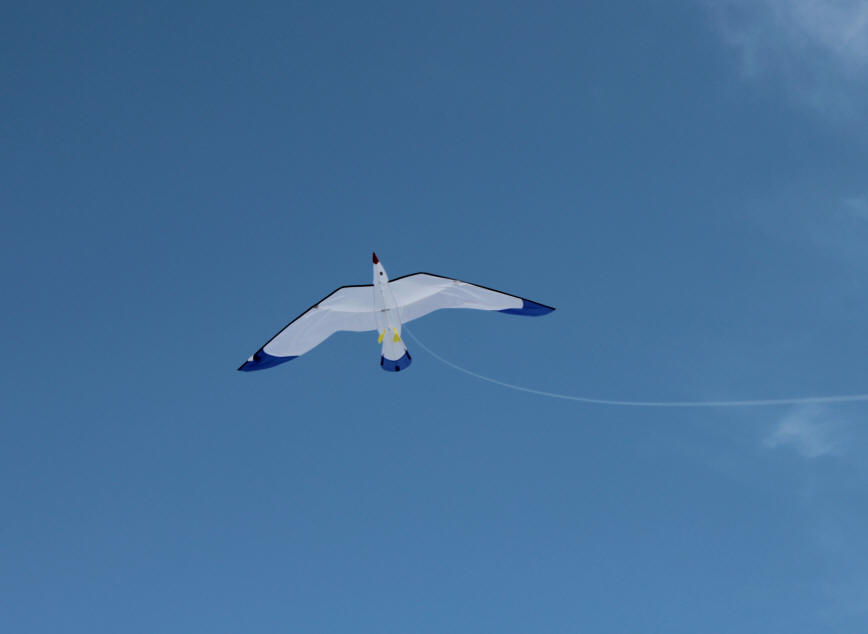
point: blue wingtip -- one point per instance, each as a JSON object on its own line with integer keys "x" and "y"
{"x": 396, "y": 366}
{"x": 262, "y": 361}
{"x": 530, "y": 309}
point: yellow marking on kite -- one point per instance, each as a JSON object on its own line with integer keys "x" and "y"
{"x": 397, "y": 337}
{"x": 380, "y": 338}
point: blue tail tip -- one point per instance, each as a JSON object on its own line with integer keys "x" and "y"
{"x": 396, "y": 366}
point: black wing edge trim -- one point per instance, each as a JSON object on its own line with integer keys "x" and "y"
{"x": 339, "y": 288}
{"x": 488, "y": 288}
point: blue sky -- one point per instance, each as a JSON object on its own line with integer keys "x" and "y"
{"x": 684, "y": 181}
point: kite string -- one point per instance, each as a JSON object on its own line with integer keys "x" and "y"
{"x": 600, "y": 401}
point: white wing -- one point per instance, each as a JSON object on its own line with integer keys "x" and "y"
{"x": 423, "y": 293}
{"x": 347, "y": 308}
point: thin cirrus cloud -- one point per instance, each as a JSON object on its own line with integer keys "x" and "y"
{"x": 819, "y": 49}
{"x": 805, "y": 430}
{"x": 857, "y": 206}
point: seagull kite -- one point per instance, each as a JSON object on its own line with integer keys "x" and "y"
{"x": 383, "y": 307}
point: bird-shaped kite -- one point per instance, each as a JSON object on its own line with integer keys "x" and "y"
{"x": 383, "y": 306}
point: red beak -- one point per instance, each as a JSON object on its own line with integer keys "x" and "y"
{"x": 376, "y": 259}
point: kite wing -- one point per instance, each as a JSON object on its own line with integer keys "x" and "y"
{"x": 347, "y": 308}
{"x": 423, "y": 293}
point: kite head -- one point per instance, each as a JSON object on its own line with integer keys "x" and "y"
{"x": 379, "y": 272}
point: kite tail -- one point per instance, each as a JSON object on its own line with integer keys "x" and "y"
{"x": 395, "y": 356}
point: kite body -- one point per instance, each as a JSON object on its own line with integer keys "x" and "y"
{"x": 383, "y": 307}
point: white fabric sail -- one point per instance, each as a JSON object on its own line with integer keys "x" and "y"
{"x": 422, "y": 293}
{"x": 383, "y": 306}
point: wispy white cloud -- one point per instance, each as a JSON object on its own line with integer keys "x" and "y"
{"x": 856, "y": 205}
{"x": 807, "y": 431}
{"x": 830, "y": 491}
{"x": 819, "y": 48}
{"x": 831, "y": 225}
